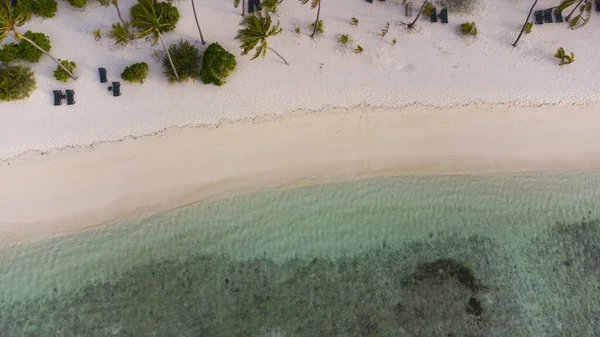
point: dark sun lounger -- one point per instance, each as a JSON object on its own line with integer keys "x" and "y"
{"x": 548, "y": 15}
{"x": 558, "y": 16}
{"x": 115, "y": 88}
{"x": 539, "y": 17}
{"x": 444, "y": 15}
{"x": 58, "y": 96}
{"x": 434, "y": 16}
{"x": 70, "y": 97}
{"x": 102, "y": 72}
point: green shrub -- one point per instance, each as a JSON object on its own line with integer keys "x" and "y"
{"x": 320, "y": 27}
{"x": 62, "y": 75}
{"x": 16, "y": 82}
{"x": 27, "y": 52}
{"x": 528, "y": 27}
{"x": 393, "y": 42}
{"x": 217, "y": 63}
{"x": 428, "y": 9}
{"x": 296, "y": 29}
{"x": 358, "y": 49}
{"x": 77, "y": 3}
{"x": 135, "y": 73}
{"x": 44, "y": 8}
{"x": 468, "y": 28}
{"x": 97, "y": 34}
{"x": 9, "y": 53}
{"x": 185, "y": 58}
{"x": 119, "y": 34}
{"x": 344, "y": 39}
{"x": 170, "y": 16}
{"x": 354, "y": 21}
{"x": 564, "y": 57}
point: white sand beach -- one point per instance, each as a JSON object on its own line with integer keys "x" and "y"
{"x": 74, "y": 188}
{"x": 431, "y": 66}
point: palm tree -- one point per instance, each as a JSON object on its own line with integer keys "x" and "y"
{"x": 525, "y": 24}
{"x": 197, "y": 24}
{"x": 580, "y": 20}
{"x": 236, "y": 3}
{"x": 313, "y": 4}
{"x": 258, "y": 29}
{"x": 13, "y": 17}
{"x": 145, "y": 17}
{"x": 115, "y": 3}
{"x": 412, "y": 24}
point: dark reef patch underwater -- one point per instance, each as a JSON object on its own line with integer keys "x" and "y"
{"x": 446, "y": 285}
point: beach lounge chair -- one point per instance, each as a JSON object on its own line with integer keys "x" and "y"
{"x": 409, "y": 9}
{"x": 115, "y": 88}
{"x": 558, "y": 17}
{"x": 371, "y": 1}
{"x": 444, "y": 15}
{"x": 539, "y": 17}
{"x": 254, "y": 5}
{"x": 102, "y": 72}
{"x": 70, "y": 97}
{"x": 548, "y": 15}
{"x": 597, "y": 5}
{"x": 58, "y": 96}
{"x": 434, "y": 16}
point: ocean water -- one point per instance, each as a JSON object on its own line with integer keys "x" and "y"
{"x": 471, "y": 255}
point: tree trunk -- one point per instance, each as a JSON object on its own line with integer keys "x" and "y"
{"x": 568, "y": 17}
{"x": 317, "y": 21}
{"x": 197, "y": 24}
{"x": 412, "y": 24}
{"x": 281, "y": 57}
{"x": 168, "y": 56}
{"x": 525, "y": 24}
{"x": 125, "y": 25}
{"x": 243, "y": 7}
{"x": 45, "y": 53}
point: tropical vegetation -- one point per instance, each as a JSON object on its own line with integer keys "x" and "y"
{"x": 12, "y": 17}
{"x": 16, "y": 82}
{"x": 468, "y": 28}
{"x": 564, "y": 57}
{"x": 119, "y": 33}
{"x": 43, "y": 8}
{"x": 126, "y": 24}
{"x": 60, "y": 73}
{"x": 236, "y": 3}
{"x": 217, "y": 64}
{"x": 135, "y": 73}
{"x": 23, "y": 50}
{"x": 257, "y": 29}
{"x": 77, "y": 3}
{"x": 582, "y": 18}
{"x": 315, "y": 4}
{"x": 154, "y": 18}
{"x": 184, "y": 57}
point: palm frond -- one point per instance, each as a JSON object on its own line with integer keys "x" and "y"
{"x": 565, "y": 4}
{"x": 236, "y": 3}
{"x": 583, "y": 17}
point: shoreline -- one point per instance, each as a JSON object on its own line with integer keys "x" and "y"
{"x": 7, "y": 158}
{"x": 74, "y": 189}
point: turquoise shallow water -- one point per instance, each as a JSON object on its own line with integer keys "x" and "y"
{"x": 502, "y": 255}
